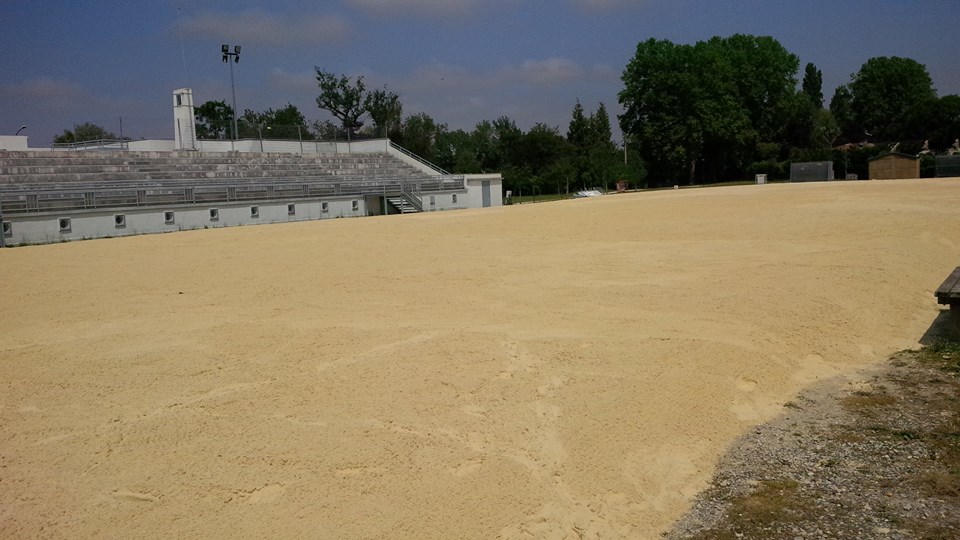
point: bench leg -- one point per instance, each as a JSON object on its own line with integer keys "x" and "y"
{"x": 955, "y": 321}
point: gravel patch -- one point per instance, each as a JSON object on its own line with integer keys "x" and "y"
{"x": 875, "y": 457}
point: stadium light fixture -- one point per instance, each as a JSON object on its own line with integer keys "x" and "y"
{"x": 225, "y": 51}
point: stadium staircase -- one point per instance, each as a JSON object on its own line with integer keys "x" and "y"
{"x": 403, "y": 205}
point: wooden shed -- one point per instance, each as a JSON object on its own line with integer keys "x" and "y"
{"x": 894, "y": 165}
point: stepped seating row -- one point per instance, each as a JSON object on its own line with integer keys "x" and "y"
{"x": 198, "y": 174}
{"x": 128, "y": 155}
{"x": 65, "y": 168}
{"x": 11, "y": 159}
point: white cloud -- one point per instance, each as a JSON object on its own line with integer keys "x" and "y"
{"x": 535, "y": 90}
{"x": 44, "y": 88}
{"x": 604, "y": 72}
{"x": 529, "y": 73}
{"x": 283, "y": 82}
{"x": 606, "y": 6}
{"x": 256, "y": 26}
{"x": 528, "y": 91}
{"x": 440, "y": 9}
{"x": 549, "y": 71}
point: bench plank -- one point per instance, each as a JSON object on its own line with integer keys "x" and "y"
{"x": 949, "y": 291}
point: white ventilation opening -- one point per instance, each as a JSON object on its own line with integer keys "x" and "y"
{"x": 65, "y": 225}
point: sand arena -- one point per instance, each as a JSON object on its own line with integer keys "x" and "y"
{"x": 547, "y": 371}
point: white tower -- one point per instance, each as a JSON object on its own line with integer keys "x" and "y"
{"x": 185, "y": 132}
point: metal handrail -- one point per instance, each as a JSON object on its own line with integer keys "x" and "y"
{"x": 411, "y": 192}
{"x": 96, "y": 143}
{"x": 406, "y": 152}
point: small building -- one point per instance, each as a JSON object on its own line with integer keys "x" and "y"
{"x": 948, "y": 166}
{"x": 894, "y": 165}
{"x": 811, "y": 171}
{"x": 483, "y": 190}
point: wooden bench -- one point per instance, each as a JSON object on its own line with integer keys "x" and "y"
{"x": 949, "y": 293}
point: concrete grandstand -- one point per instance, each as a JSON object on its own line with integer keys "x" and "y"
{"x": 120, "y": 188}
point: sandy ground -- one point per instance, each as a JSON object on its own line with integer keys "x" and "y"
{"x": 562, "y": 370}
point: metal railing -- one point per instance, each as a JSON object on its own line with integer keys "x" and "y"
{"x": 32, "y": 199}
{"x": 419, "y": 159}
{"x": 98, "y": 144}
{"x": 410, "y": 190}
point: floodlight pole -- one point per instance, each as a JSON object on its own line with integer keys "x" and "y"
{"x": 225, "y": 50}
{"x": 233, "y": 91}
{"x": 3, "y": 242}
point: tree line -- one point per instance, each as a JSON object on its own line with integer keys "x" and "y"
{"x": 726, "y": 108}
{"x": 718, "y": 110}
{"x": 541, "y": 159}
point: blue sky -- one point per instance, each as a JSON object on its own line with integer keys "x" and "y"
{"x": 66, "y": 62}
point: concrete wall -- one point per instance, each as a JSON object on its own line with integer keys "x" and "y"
{"x": 44, "y": 228}
{"x": 13, "y": 142}
{"x": 446, "y": 200}
{"x": 149, "y": 146}
{"x": 309, "y": 148}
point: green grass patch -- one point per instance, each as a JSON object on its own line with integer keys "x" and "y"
{"x": 773, "y": 505}
{"x": 541, "y": 198}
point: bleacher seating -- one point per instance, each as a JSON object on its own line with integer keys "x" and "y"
{"x": 31, "y": 169}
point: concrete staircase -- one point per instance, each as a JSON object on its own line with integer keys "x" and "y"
{"x": 403, "y": 205}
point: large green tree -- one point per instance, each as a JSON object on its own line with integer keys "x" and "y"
{"x": 342, "y": 98}
{"x": 86, "y": 131}
{"x": 603, "y": 154}
{"x": 457, "y": 152}
{"x": 507, "y": 136}
{"x": 580, "y": 137}
{"x": 284, "y": 123}
{"x": 488, "y": 153}
{"x": 420, "y": 134}
{"x": 578, "y": 131}
{"x": 385, "y": 110}
{"x": 841, "y": 106}
{"x": 710, "y": 103}
{"x": 594, "y": 158}
{"x": 934, "y": 122}
{"x": 546, "y": 158}
{"x": 883, "y": 90}
{"x": 213, "y": 120}
{"x": 328, "y": 131}
{"x": 659, "y": 98}
{"x": 813, "y": 84}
